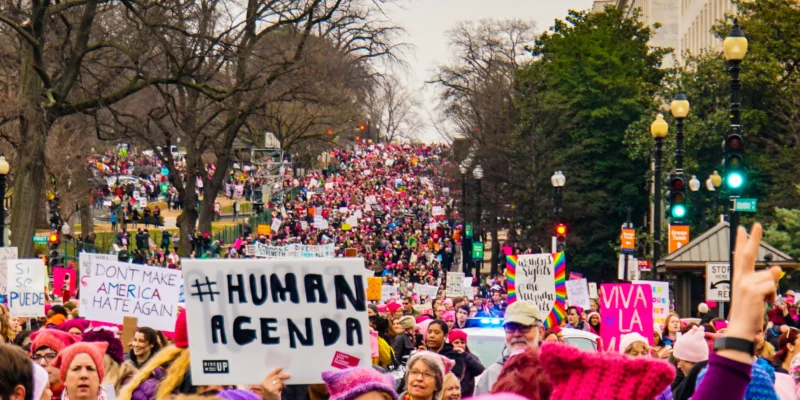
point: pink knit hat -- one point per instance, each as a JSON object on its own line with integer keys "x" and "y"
{"x": 443, "y": 363}
{"x": 95, "y": 350}
{"x": 578, "y": 375}
{"x": 351, "y": 383}
{"x": 499, "y": 396}
{"x": 691, "y": 346}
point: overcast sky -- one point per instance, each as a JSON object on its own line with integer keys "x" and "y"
{"x": 427, "y": 21}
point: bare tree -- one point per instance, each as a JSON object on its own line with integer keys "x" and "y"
{"x": 393, "y": 111}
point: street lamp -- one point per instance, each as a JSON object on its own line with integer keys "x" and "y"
{"x": 734, "y": 48}
{"x": 3, "y": 172}
{"x": 658, "y": 129}
{"x": 694, "y": 184}
{"x": 680, "y": 109}
{"x": 558, "y": 180}
{"x": 466, "y": 250}
{"x": 477, "y": 173}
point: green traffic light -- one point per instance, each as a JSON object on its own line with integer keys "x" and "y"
{"x": 678, "y": 211}
{"x": 735, "y": 180}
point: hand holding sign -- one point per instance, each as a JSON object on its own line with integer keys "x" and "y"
{"x": 274, "y": 383}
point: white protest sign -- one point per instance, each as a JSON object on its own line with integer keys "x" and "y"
{"x": 578, "y": 293}
{"x": 535, "y": 280}
{"x": 26, "y": 281}
{"x": 142, "y": 202}
{"x": 388, "y": 292}
{"x": 455, "y": 284}
{"x": 370, "y": 200}
{"x": 329, "y": 186}
{"x": 250, "y": 316}
{"x": 593, "y": 290}
{"x": 276, "y": 225}
{"x": 136, "y": 194}
{"x": 468, "y": 289}
{"x": 115, "y": 290}
{"x": 304, "y": 225}
{"x": 718, "y": 282}
{"x": 437, "y": 210}
{"x": 6, "y": 253}
{"x": 352, "y": 221}
{"x": 661, "y": 304}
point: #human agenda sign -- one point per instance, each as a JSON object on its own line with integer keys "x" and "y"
{"x": 247, "y": 317}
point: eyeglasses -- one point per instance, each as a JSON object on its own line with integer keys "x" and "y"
{"x": 512, "y": 327}
{"x": 49, "y": 357}
{"x": 416, "y": 374}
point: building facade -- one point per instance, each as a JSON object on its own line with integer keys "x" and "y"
{"x": 685, "y": 24}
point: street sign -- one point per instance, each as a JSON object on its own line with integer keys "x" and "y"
{"x": 40, "y": 239}
{"x": 628, "y": 240}
{"x": 745, "y": 205}
{"x": 678, "y": 237}
{"x": 468, "y": 230}
{"x": 644, "y": 265}
{"x": 477, "y": 250}
{"x": 718, "y": 282}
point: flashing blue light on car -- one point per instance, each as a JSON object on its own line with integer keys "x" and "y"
{"x": 484, "y": 321}
{"x": 496, "y": 321}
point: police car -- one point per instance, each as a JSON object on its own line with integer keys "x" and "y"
{"x": 487, "y": 339}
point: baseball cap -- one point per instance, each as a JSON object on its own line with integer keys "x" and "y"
{"x": 523, "y": 313}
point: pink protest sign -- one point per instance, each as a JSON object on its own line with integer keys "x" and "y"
{"x": 60, "y": 277}
{"x": 625, "y": 308}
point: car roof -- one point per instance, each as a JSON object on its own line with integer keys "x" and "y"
{"x": 498, "y": 332}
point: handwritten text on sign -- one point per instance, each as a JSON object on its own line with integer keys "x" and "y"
{"x": 254, "y": 315}
{"x": 535, "y": 281}
{"x": 6, "y": 253}
{"x": 26, "y": 287}
{"x": 114, "y": 290}
{"x": 625, "y": 308}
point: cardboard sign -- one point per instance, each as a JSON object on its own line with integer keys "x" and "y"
{"x": 455, "y": 284}
{"x": 250, "y": 316}
{"x": 374, "y": 290}
{"x": 350, "y": 252}
{"x": 264, "y": 229}
{"x": 540, "y": 279}
{"x": 578, "y": 293}
{"x": 661, "y": 304}
{"x": 718, "y": 282}
{"x": 6, "y": 253}
{"x": 115, "y": 290}
{"x": 678, "y": 237}
{"x": 26, "y": 282}
{"x": 625, "y": 308}
{"x": 129, "y": 326}
{"x": 62, "y": 276}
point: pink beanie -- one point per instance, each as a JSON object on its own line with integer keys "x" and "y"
{"x": 578, "y": 375}
{"x": 691, "y": 346}
{"x": 443, "y": 364}
{"x": 351, "y": 383}
{"x": 449, "y": 316}
{"x": 499, "y": 396}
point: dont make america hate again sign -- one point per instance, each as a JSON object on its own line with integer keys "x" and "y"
{"x": 112, "y": 290}
{"x": 246, "y": 317}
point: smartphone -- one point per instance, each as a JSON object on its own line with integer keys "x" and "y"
{"x": 420, "y": 340}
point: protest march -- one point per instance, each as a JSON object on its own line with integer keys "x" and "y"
{"x": 359, "y": 279}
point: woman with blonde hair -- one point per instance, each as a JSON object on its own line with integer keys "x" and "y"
{"x": 7, "y": 333}
{"x": 452, "y": 387}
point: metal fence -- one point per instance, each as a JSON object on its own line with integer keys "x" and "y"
{"x": 231, "y": 233}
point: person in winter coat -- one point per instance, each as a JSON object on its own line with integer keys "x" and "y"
{"x": 466, "y": 366}
{"x": 45, "y": 346}
{"x": 635, "y": 345}
{"x": 404, "y": 343}
{"x": 521, "y": 325}
{"x": 574, "y": 320}
{"x": 458, "y": 339}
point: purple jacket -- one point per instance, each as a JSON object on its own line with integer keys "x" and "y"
{"x": 724, "y": 379}
{"x": 147, "y": 389}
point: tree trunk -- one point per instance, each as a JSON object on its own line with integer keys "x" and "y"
{"x": 187, "y": 220}
{"x": 29, "y": 174}
{"x": 82, "y": 175}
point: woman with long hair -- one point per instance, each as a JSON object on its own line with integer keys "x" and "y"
{"x": 672, "y": 329}
{"x": 788, "y": 347}
{"x": 593, "y": 323}
{"x": 466, "y": 366}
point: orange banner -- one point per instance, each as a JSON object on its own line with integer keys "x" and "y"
{"x": 678, "y": 237}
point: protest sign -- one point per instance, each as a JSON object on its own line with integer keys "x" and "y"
{"x": 540, "y": 279}
{"x": 276, "y": 225}
{"x": 468, "y": 291}
{"x": 350, "y": 252}
{"x": 437, "y": 211}
{"x": 264, "y": 229}
{"x": 129, "y": 325}
{"x": 661, "y": 304}
{"x": 62, "y": 276}
{"x": 370, "y": 200}
{"x": 259, "y": 249}
{"x": 455, "y": 284}
{"x": 388, "y": 292}
{"x": 346, "y": 227}
{"x": 26, "y": 281}
{"x": 115, "y": 290}
{"x": 578, "y": 293}
{"x": 352, "y": 221}
{"x": 246, "y": 317}
{"x": 625, "y": 308}
{"x": 6, "y": 253}
{"x": 593, "y": 290}
{"x": 374, "y": 290}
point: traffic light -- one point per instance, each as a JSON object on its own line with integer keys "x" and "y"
{"x": 330, "y": 131}
{"x": 734, "y": 162}
{"x": 677, "y": 197}
{"x": 561, "y": 237}
{"x": 362, "y": 127}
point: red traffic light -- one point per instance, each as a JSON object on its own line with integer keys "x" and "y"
{"x": 677, "y": 184}
{"x": 561, "y": 229}
{"x": 53, "y": 238}
{"x": 734, "y": 142}
{"x": 330, "y": 131}
{"x": 362, "y": 127}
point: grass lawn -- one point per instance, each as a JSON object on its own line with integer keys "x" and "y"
{"x": 243, "y": 208}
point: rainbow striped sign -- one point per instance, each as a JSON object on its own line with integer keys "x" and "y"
{"x": 540, "y": 279}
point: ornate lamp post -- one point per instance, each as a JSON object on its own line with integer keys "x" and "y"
{"x": 658, "y": 129}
